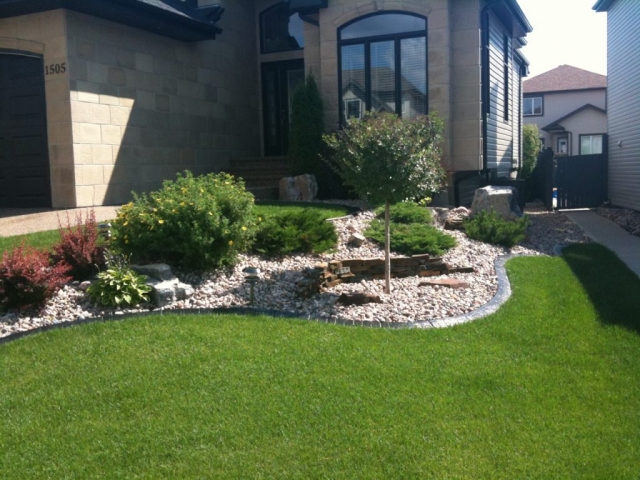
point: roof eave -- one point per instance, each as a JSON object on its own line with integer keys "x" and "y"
{"x": 602, "y": 5}
{"x": 126, "y": 12}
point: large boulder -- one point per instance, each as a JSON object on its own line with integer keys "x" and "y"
{"x": 303, "y": 187}
{"x": 503, "y": 200}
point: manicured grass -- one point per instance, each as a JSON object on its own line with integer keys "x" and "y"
{"x": 549, "y": 387}
{"x": 41, "y": 240}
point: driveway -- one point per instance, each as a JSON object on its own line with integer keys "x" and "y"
{"x": 14, "y": 221}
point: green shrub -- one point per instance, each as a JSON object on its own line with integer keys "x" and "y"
{"x": 412, "y": 238}
{"x": 406, "y": 212}
{"x": 193, "y": 222}
{"x": 489, "y": 227}
{"x": 119, "y": 285}
{"x": 304, "y": 231}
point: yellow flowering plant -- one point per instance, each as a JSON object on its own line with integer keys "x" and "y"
{"x": 213, "y": 223}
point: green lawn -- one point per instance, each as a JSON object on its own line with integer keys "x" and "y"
{"x": 549, "y": 387}
{"x": 41, "y": 240}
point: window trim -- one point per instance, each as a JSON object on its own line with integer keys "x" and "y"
{"x": 366, "y": 42}
{"x": 602, "y": 135}
{"x": 260, "y": 28}
{"x": 527, "y": 96}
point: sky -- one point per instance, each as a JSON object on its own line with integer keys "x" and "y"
{"x": 565, "y": 32}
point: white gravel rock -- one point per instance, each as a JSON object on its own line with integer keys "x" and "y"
{"x": 276, "y": 289}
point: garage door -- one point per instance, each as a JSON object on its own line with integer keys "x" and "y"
{"x": 24, "y": 158}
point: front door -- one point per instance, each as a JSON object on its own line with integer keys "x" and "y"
{"x": 279, "y": 81}
{"x": 24, "y": 154}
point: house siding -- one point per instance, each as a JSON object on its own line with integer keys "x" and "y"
{"x": 500, "y": 131}
{"x": 623, "y": 99}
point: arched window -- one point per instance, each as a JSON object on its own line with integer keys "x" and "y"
{"x": 383, "y": 64}
{"x": 280, "y": 31}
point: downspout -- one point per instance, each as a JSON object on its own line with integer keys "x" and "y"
{"x": 485, "y": 83}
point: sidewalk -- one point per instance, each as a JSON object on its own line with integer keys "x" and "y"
{"x": 22, "y": 221}
{"x": 604, "y": 231}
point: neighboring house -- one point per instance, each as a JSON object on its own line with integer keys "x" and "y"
{"x": 569, "y": 105}
{"x": 101, "y": 97}
{"x": 623, "y": 97}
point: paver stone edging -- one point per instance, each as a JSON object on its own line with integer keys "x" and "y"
{"x": 502, "y": 295}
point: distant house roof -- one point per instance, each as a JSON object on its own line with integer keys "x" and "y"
{"x": 564, "y": 77}
{"x": 603, "y": 5}
{"x": 557, "y": 127}
{"x": 171, "y": 18}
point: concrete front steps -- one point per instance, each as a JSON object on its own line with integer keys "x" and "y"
{"x": 261, "y": 175}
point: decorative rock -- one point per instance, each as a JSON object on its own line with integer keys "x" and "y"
{"x": 158, "y": 271}
{"x": 166, "y": 292}
{"x": 348, "y": 299}
{"x": 84, "y": 285}
{"x": 303, "y": 187}
{"x": 288, "y": 190}
{"x": 356, "y": 240}
{"x": 445, "y": 282}
{"x": 504, "y": 200}
{"x": 307, "y": 186}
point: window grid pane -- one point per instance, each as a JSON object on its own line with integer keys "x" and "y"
{"x": 413, "y": 54}
{"x": 353, "y": 84}
{"x": 383, "y": 77}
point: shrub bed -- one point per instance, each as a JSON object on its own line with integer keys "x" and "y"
{"x": 197, "y": 223}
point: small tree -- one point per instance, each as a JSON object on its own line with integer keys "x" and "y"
{"x": 386, "y": 160}
{"x": 530, "y": 149}
{"x": 307, "y": 127}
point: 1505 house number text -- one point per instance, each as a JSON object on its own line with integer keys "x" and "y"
{"x": 55, "y": 68}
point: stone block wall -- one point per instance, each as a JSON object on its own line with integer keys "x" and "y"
{"x": 144, "y": 106}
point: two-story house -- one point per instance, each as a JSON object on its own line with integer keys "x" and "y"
{"x": 102, "y": 97}
{"x": 569, "y": 106}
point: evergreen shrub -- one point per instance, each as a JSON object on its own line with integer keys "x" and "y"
{"x": 411, "y": 238}
{"x": 197, "y": 223}
{"x": 304, "y": 231}
{"x": 489, "y": 227}
{"x": 406, "y": 212}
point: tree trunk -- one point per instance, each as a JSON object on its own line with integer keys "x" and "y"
{"x": 387, "y": 249}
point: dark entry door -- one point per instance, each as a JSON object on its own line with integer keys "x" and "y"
{"x": 24, "y": 158}
{"x": 279, "y": 80}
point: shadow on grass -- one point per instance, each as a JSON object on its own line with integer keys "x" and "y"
{"x": 611, "y": 286}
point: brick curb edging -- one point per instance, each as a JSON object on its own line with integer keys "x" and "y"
{"x": 502, "y": 295}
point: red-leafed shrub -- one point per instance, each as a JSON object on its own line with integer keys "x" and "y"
{"x": 27, "y": 280}
{"x": 80, "y": 247}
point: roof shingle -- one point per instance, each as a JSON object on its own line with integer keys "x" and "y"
{"x": 564, "y": 77}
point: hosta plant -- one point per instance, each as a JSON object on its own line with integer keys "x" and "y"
{"x": 119, "y": 285}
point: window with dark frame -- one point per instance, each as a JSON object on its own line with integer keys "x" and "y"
{"x": 591, "y": 144}
{"x": 280, "y": 31}
{"x": 383, "y": 64}
{"x": 532, "y": 106}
